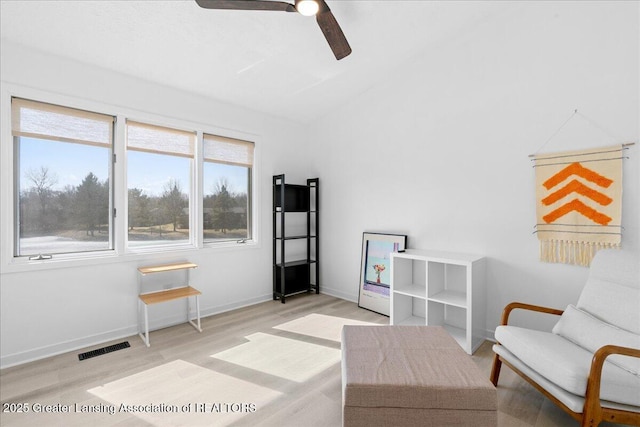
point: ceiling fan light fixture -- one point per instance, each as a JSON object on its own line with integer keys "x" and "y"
{"x": 307, "y": 7}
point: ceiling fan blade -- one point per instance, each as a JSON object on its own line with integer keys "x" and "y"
{"x": 332, "y": 31}
{"x": 246, "y": 5}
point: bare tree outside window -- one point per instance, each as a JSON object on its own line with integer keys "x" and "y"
{"x": 173, "y": 203}
{"x": 42, "y": 181}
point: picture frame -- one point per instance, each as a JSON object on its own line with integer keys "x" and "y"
{"x": 375, "y": 269}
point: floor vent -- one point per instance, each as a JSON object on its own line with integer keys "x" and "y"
{"x": 103, "y": 350}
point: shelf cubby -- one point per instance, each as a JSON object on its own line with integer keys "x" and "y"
{"x": 437, "y": 288}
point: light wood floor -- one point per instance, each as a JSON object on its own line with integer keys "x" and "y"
{"x": 181, "y": 359}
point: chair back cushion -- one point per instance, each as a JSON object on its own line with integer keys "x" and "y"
{"x": 590, "y": 333}
{"x": 612, "y": 292}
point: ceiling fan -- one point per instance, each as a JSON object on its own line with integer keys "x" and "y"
{"x": 327, "y": 22}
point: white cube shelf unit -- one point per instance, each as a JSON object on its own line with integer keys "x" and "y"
{"x": 437, "y": 288}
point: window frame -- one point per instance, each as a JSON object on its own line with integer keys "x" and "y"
{"x": 250, "y": 193}
{"x": 15, "y": 199}
{"x": 191, "y": 243}
{"x": 118, "y": 184}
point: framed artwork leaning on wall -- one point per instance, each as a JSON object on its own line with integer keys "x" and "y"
{"x": 375, "y": 266}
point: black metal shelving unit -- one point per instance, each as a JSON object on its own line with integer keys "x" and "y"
{"x": 295, "y": 265}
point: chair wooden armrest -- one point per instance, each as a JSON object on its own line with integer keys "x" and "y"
{"x": 592, "y": 409}
{"x": 497, "y": 363}
{"x": 519, "y": 305}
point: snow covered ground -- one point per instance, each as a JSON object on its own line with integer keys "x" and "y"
{"x": 57, "y": 244}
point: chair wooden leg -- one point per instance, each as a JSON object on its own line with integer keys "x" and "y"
{"x": 590, "y": 419}
{"x": 495, "y": 370}
{"x": 592, "y": 411}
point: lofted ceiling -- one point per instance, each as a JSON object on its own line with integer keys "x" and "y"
{"x": 274, "y": 62}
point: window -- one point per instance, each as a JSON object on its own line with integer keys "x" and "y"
{"x": 227, "y": 188}
{"x": 159, "y": 170}
{"x": 66, "y": 184}
{"x": 62, "y": 170}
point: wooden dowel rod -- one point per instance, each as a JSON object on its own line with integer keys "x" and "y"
{"x": 626, "y": 144}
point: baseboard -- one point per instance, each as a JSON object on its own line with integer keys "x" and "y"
{"x": 338, "y": 294}
{"x": 65, "y": 347}
{"x": 127, "y": 332}
{"x": 218, "y": 309}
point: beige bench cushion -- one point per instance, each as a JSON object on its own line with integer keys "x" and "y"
{"x": 411, "y": 367}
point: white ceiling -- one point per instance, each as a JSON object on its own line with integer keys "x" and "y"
{"x": 273, "y": 62}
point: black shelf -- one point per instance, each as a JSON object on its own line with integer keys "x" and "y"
{"x": 295, "y": 237}
{"x": 296, "y": 197}
{"x": 296, "y": 263}
{"x": 291, "y": 277}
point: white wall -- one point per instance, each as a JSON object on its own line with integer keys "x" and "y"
{"x": 61, "y": 308}
{"x": 440, "y": 150}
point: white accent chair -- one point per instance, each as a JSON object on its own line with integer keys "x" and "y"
{"x": 589, "y": 364}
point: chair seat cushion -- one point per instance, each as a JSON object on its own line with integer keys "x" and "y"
{"x": 567, "y": 364}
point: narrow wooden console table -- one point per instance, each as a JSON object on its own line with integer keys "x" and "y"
{"x": 165, "y": 295}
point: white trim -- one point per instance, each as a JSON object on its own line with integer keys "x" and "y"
{"x": 153, "y": 255}
{"x": 65, "y": 347}
{"x": 339, "y": 294}
{"x": 6, "y": 179}
{"x": 120, "y": 197}
{"x": 198, "y": 191}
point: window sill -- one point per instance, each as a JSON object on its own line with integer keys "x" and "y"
{"x": 20, "y": 265}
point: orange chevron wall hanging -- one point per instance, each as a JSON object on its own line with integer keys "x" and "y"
{"x": 578, "y": 203}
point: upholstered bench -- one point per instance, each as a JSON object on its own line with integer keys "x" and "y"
{"x": 411, "y": 376}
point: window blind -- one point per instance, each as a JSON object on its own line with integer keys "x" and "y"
{"x": 160, "y": 140}
{"x": 229, "y": 151}
{"x": 47, "y": 121}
